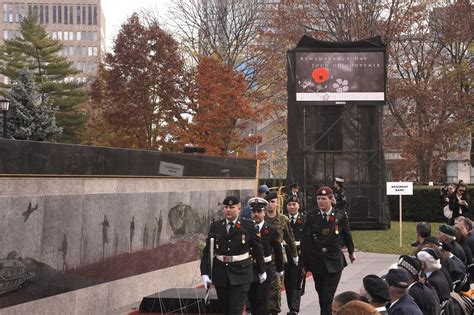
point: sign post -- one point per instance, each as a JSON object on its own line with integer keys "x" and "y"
{"x": 400, "y": 189}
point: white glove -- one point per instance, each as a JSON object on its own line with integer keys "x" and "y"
{"x": 280, "y": 274}
{"x": 296, "y": 260}
{"x": 206, "y": 281}
{"x": 262, "y": 277}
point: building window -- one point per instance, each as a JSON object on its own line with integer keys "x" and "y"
{"x": 17, "y": 13}
{"x": 89, "y": 14}
{"x": 60, "y": 20}
{"x": 46, "y": 14}
{"x": 5, "y": 13}
{"x": 66, "y": 14}
{"x": 95, "y": 15}
{"x": 66, "y": 36}
{"x": 83, "y": 14}
{"x": 78, "y": 14}
{"x": 452, "y": 172}
{"x": 71, "y": 15}
{"x": 54, "y": 15}
{"x": 472, "y": 175}
{"x": 41, "y": 14}
{"x": 78, "y": 35}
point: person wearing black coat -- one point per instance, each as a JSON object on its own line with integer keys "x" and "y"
{"x": 297, "y": 221}
{"x": 236, "y": 244}
{"x": 459, "y": 202}
{"x": 434, "y": 276}
{"x": 423, "y": 295}
{"x": 272, "y": 250}
{"x": 324, "y": 231}
{"x": 402, "y": 302}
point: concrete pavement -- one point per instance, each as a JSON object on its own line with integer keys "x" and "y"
{"x": 351, "y": 280}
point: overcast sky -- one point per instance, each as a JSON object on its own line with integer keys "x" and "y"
{"x": 117, "y": 11}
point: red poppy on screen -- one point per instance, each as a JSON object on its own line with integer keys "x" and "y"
{"x": 332, "y": 218}
{"x": 320, "y": 75}
{"x": 265, "y": 231}
{"x": 299, "y": 221}
{"x": 237, "y": 226}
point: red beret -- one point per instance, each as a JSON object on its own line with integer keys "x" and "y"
{"x": 324, "y": 191}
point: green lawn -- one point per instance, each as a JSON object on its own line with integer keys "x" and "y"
{"x": 388, "y": 241}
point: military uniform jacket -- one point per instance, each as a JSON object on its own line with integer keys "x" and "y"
{"x": 297, "y": 229}
{"x": 321, "y": 242}
{"x": 270, "y": 239}
{"x": 242, "y": 239}
{"x": 406, "y": 306}
{"x": 282, "y": 224}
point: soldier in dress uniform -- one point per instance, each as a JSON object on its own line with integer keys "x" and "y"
{"x": 340, "y": 200}
{"x": 295, "y": 191}
{"x": 321, "y": 251}
{"x": 258, "y": 293}
{"x": 282, "y": 224}
{"x": 236, "y": 243}
{"x": 297, "y": 220}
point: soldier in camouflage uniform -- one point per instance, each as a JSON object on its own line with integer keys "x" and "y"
{"x": 282, "y": 224}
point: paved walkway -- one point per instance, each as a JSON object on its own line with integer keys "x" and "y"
{"x": 351, "y": 280}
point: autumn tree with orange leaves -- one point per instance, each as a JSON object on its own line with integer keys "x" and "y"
{"x": 138, "y": 96}
{"x": 220, "y": 111}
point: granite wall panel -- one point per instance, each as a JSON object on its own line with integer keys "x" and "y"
{"x": 56, "y": 236}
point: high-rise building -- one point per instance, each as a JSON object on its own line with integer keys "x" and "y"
{"x": 79, "y": 24}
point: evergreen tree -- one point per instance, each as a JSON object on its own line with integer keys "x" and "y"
{"x": 31, "y": 118}
{"x": 37, "y": 52}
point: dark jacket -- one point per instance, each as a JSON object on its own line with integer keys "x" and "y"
{"x": 455, "y": 206}
{"x": 405, "y": 306}
{"x": 425, "y": 298}
{"x": 438, "y": 280}
{"x": 271, "y": 245}
{"x": 243, "y": 239}
{"x": 321, "y": 242}
{"x": 297, "y": 229}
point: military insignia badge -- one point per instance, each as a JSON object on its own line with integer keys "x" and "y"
{"x": 336, "y": 229}
{"x": 243, "y": 238}
{"x": 230, "y": 202}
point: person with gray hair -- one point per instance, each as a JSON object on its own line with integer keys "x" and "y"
{"x": 431, "y": 266}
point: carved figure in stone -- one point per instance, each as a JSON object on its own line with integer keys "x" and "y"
{"x": 29, "y": 211}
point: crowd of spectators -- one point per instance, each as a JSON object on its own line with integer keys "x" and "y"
{"x": 435, "y": 279}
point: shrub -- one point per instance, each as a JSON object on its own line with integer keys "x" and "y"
{"x": 423, "y": 205}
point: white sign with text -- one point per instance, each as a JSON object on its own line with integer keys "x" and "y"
{"x": 399, "y": 188}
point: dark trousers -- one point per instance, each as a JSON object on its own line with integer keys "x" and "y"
{"x": 326, "y": 285}
{"x": 293, "y": 294}
{"x": 232, "y": 298}
{"x": 258, "y": 296}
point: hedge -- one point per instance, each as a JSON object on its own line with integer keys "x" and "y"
{"x": 423, "y": 205}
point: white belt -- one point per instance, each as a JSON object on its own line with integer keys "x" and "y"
{"x": 235, "y": 258}
{"x": 268, "y": 258}
{"x": 296, "y": 242}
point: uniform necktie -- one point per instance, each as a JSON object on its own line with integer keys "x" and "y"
{"x": 231, "y": 228}
{"x": 292, "y": 220}
{"x": 325, "y": 217}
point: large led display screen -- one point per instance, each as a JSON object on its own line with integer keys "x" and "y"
{"x": 340, "y": 77}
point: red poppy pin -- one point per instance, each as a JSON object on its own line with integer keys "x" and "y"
{"x": 332, "y": 218}
{"x": 299, "y": 221}
{"x": 237, "y": 225}
{"x": 265, "y": 231}
{"x": 320, "y": 75}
